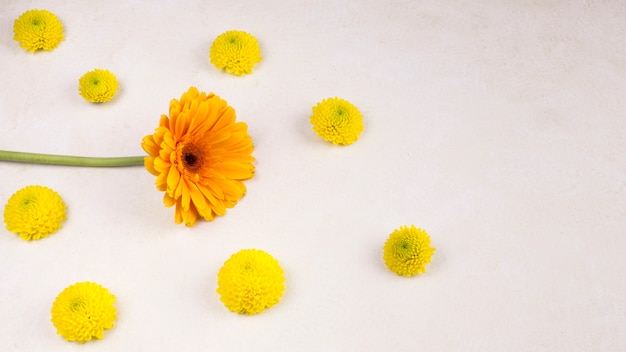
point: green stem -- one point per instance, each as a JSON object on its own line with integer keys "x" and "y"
{"x": 36, "y": 158}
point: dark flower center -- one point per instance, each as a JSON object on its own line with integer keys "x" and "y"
{"x": 192, "y": 157}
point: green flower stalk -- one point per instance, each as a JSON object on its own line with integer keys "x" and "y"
{"x": 36, "y": 158}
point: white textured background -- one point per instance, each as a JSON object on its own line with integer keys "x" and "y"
{"x": 497, "y": 126}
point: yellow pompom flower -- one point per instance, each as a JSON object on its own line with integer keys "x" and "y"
{"x": 336, "y": 120}
{"x": 407, "y": 251}
{"x": 83, "y": 311}
{"x": 250, "y": 281}
{"x": 34, "y": 212}
{"x": 98, "y": 86}
{"x": 38, "y": 29}
{"x": 236, "y": 52}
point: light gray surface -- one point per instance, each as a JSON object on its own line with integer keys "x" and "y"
{"x": 498, "y": 126}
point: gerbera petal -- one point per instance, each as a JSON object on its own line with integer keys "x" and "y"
{"x": 197, "y": 198}
{"x": 213, "y": 114}
{"x": 175, "y": 109}
{"x": 240, "y": 158}
{"x": 219, "y": 137}
{"x": 210, "y": 197}
{"x": 219, "y": 208}
{"x": 161, "y": 165}
{"x": 198, "y": 125}
{"x": 168, "y": 201}
{"x": 191, "y": 114}
{"x": 235, "y": 170}
{"x": 173, "y": 177}
{"x": 166, "y": 155}
{"x": 182, "y": 122}
{"x": 169, "y": 141}
{"x": 236, "y": 140}
{"x": 147, "y": 143}
{"x": 215, "y": 189}
{"x": 216, "y": 204}
{"x": 161, "y": 182}
{"x": 148, "y": 163}
{"x": 189, "y": 216}
{"x": 232, "y": 189}
{"x": 226, "y": 118}
{"x": 178, "y": 213}
{"x": 182, "y": 193}
{"x": 209, "y": 215}
{"x": 164, "y": 121}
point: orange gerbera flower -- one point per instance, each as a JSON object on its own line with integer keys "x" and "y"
{"x": 200, "y": 156}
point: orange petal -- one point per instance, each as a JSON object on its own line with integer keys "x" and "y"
{"x": 189, "y": 216}
{"x": 217, "y": 205}
{"x": 164, "y": 121}
{"x": 168, "y": 201}
{"x": 235, "y": 171}
{"x": 209, "y": 215}
{"x": 186, "y": 198}
{"x": 173, "y": 177}
{"x": 161, "y": 181}
{"x": 215, "y": 189}
{"x": 226, "y": 118}
{"x": 148, "y": 163}
{"x": 148, "y": 145}
{"x": 178, "y": 215}
{"x": 198, "y": 198}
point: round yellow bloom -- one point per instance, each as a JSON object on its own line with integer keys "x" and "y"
{"x": 407, "y": 251}
{"x": 34, "y": 212}
{"x": 38, "y": 29}
{"x": 83, "y": 311}
{"x": 235, "y": 51}
{"x": 336, "y": 120}
{"x": 250, "y": 281}
{"x": 200, "y": 156}
{"x": 98, "y": 86}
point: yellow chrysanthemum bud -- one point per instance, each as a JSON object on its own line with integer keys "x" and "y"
{"x": 407, "y": 251}
{"x": 34, "y": 212}
{"x": 236, "y": 52}
{"x": 98, "y": 86}
{"x": 336, "y": 120}
{"x": 38, "y": 29}
{"x": 250, "y": 281}
{"x": 83, "y": 311}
